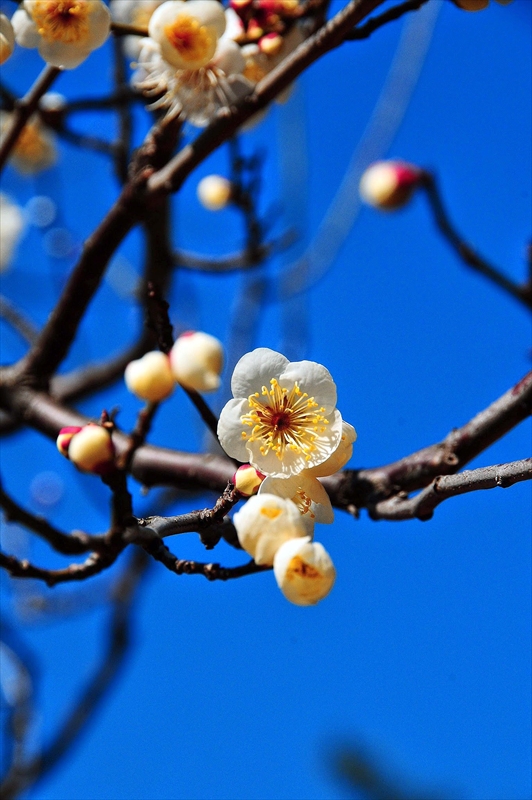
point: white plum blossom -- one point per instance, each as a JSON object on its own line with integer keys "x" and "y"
{"x": 7, "y": 38}
{"x": 133, "y": 12}
{"x": 283, "y": 418}
{"x": 190, "y": 62}
{"x": 304, "y": 571}
{"x": 196, "y": 361}
{"x": 264, "y": 523}
{"x": 65, "y": 32}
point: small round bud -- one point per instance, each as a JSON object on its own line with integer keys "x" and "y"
{"x": 92, "y": 449}
{"x": 214, "y": 192}
{"x": 304, "y": 571}
{"x": 247, "y": 480}
{"x": 64, "y": 438}
{"x": 150, "y": 377}
{"x": 271, "y": 44}
{"x": 196, "y": 360}
{"x": 7, "y": 38}
{"x": 264, "y": 523}
{"x": 388, "y": 185}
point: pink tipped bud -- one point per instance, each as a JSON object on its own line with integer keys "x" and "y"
{"x": 92, "y": 449}
{"x": 247, "y": 480}
{"x": 271, "y": 44}
{"x": 254, "y": 30}
{"x": 150, "y": 377}
{"x": 196, "y": 360}
{"x": 63, "y": 440}
{"x": 389, "y": 184}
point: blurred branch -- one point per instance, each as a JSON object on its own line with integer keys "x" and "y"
{"x": 18, "y": 321}
{"x": 422, "y": 506}
{"x": 24, "y": 772}
{"x": 123, "y": 29}
{"x": 464, "y": 250}
{"x": 24, "y": 108}
{"x": 364, "y": 31}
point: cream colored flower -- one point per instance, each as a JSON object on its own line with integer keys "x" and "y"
{"x": 133, "y": 12}
{"x": 11, "y": 229}
{"x": 264, "y": 523}
{"x": 189, "y": 63}
{"x": 150, "y": 377}
{"x": 65, "y": 32}
{"x": 388, "y": 185}
{"x": 196, "y": 361}
{"x": 7, "y": 38}
{"x": 214, "y": 192}
{"x": 304, "y": 571}
{"x": 91, "y": 449}
{"x": 283, "y": 418}
{"x": 34, "y": 150}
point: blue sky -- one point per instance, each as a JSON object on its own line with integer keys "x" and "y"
{"x": 421, "y": 654}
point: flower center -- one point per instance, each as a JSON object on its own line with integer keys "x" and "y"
{"x": 191, "y": 40}
{"x": 283, "y": 419}
{"x": 62, "y": 20}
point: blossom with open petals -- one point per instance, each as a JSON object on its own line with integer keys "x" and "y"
{"x": 65, "y": 32}
{"x": 283, "y": 418}
{"x": 133, "y": 12}
{"x": 190, "y": 61}
{"x": 304, "y": 571}
{"x": 264, "y": 523}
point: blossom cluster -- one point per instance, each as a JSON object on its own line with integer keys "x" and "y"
{"x": 284, "y": 423}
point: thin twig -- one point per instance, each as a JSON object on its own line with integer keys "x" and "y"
{"x": 18, "y": 321}
{"x": 464, "y": 250}
{"x": 93, "y": 565}
{"x": 363, "y": 31}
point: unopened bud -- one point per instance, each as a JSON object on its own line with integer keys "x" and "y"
{"x": 214, "y": 192}
{"x": 150, "y": 377}
{"x": 7, "y": 38}
{"x": 304, "y": 571}
{"x": 388, "y": 185}
{"x": 271, "y": 44}
{"x": 92, "y": 449}
{"x": 65, "y": 435}
{"x": 247, "y": 480}
{"x": 196, "y": 360}
{"x": 264, "y": 523}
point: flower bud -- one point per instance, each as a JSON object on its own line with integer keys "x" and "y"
{"x": 7, "y": 38}
{"x": 271, "y": 44}
{"x": 92, "y": 449}
{"x": 64, "y": 438}
{"x": 150, "y": 377}
{"x": 214, "y": 192}
{"x": 388, "y": 185}
{"x": 264, "y": 523}
{"x": 196, "y": 360}
{"x": 247, "y": 480}
{"x": 304, "y": 571}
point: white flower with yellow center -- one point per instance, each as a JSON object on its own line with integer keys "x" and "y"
{"x": 190, "y": 62}
{"x": 133, "y": 12}
{"x": 304, "y": 571}
{"x": 283, "y": 418}
{"x": 64, "y": 31}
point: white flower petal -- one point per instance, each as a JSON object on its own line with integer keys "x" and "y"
{"x": 304, "y": 571}
{"x": 26, "y": 33}
{"x": 230, "y": 429}
{"x": 314, "y": 379}
{"x": 256, "y": 369}
{"x": 264, "y": 523}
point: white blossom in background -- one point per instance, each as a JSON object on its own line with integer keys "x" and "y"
{"x": 65, "y": 32}
{"x": 34, "y": 150}
{"x": 196, "y": 361}
{"x": 388, "y": 185}
{"x": 304, "y": 571}
{"x": 264, "y": 523}
{"x": 214, "y": 192}
{"x": 11, "y": 230}
{"x": 7, "y": 38}
{"x": 150, "y": 377}
{"x": 191, "y": 61}
{"x": 133, "y": 12}
{"x": 283, "y": 418}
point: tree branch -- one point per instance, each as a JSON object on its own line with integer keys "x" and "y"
{"x": 364, "y": 31}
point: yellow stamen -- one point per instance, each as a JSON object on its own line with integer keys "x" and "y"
{"x": 192, "y": 41}
{"x": 284, "y": 420}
